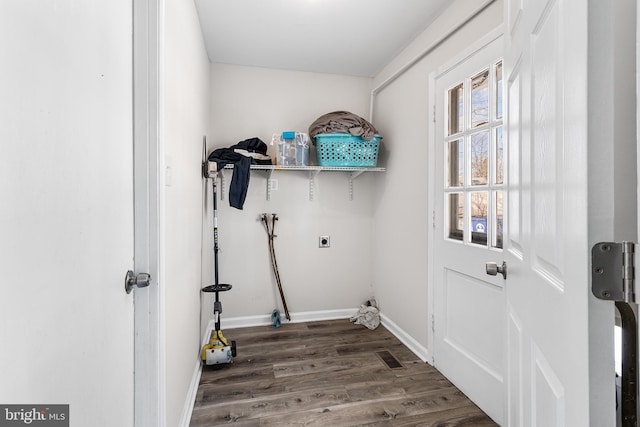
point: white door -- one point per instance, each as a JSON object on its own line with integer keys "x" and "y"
{"x": 66, "y": 212}
{"x": 546, "y": 238}
{"x": 468, "y": 181}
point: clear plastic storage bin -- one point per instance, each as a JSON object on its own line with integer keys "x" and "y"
{"x": 292, "y": 148}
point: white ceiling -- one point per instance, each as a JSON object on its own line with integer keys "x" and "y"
{"x": 351, "y": 37}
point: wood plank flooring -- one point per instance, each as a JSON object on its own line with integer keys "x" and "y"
{"x": 328, "y": 373}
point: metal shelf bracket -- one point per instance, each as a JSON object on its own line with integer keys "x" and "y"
{"x": 269, "y": 184}
{"x": 222, "y": 185}
{"x": 352, "y": 177}
{"x": 312, "y": 183}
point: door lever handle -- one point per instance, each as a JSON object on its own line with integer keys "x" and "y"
{"x": 493, "y": 269}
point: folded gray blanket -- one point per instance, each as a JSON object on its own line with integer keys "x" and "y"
{"x": 342, "y": 122}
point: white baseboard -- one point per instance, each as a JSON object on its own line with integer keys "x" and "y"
{"x": 418, "y": 349}
{"x": 305, "y": 316}
{"x": 192, "y": 392}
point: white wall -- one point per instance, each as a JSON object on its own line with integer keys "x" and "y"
{"x": 186, "y": 121}
{"x": 66, "y": 230}
{"x": 402, "y": 220}
{"x": 248, "y": 102}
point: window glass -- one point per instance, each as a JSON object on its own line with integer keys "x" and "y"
{"x": 499, "y": 157}
{"x": 480, "y": 99}
{"x": 498, "y": 90}
{"x": 455, "y": 204}
{"x": 499, "y": 220}
{"x": 480, "y": 158}
{"x": 456, "y": 109}
{"x": 474, "y": 160}
{"x": 479, "y": 216}
{"x": 456, "y": 163}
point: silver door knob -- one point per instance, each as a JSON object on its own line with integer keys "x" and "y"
{"x": 493, "y": 269}
{"x": 132, "y": 280}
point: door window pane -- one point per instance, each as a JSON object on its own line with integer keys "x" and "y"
{"x": 498, "y": 97}
{"x": 455, "y": 203}
{"x": 499, "y": 220}
{"x": 455, "y": 163}
{"x": 480, "y": 99}
{"x": 474, "y": 159}
{"x": 480, "y": 158}
{"x": 479, "y": 216}
{"x": 499, "y": 156}
{"x": 456, "y": 109}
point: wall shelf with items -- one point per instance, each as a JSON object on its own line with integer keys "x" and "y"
{"x": 313, "y": 172}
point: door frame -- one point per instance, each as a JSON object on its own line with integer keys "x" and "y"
{"x": 431, "y": 193}
{"x": 149, "y": 356}
{"x": 612, "y": 151}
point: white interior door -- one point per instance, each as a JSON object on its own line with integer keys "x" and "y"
{"x": 468, "y": 180}
{"x": 66, "y": 216}
{"x": 546, "y": 238}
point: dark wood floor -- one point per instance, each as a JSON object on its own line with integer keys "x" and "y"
{"x": 328, "y": 373}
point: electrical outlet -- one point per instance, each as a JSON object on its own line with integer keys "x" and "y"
{"x": 273, "y": 184}
{"x": 324, "y": 241}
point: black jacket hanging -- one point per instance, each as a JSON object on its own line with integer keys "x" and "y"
{"x": 242, "y": 155}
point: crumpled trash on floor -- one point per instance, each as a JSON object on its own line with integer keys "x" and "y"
{"x": 368, "y": 315}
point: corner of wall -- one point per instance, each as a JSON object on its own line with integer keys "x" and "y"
{"x": 418, "y": 349}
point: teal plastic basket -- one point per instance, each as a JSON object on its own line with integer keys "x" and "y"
{"x": 342, "y": 149}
